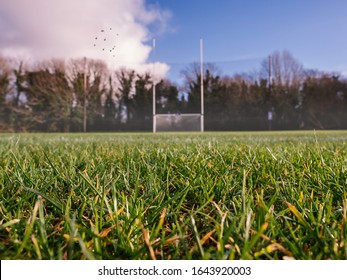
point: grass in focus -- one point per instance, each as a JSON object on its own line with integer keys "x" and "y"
{"x": 269, "y": 195}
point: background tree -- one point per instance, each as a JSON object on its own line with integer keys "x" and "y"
{"x": 49, "y": 97}
{"x": 97, "y": 75}
{"x": 142, "y": 101}
{"x": 287, "y": 76}
{"x": 246, "y": 102}
{"x": 324, "y": 101}
{"x": 18, "y": 112}
{"x": 287, "y": 72}
{"x": 215, "y": 99}
{"x": 192, "y": 84}
{"x": 109, "y": 108}
{"x": 5, "y": 72}
{"x": 125, "y": 93}
{"x": 97, "y": 83}
{"x": 167, "y": 98}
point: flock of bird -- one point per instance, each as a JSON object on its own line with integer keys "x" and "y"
{"x": 106, "y": 41}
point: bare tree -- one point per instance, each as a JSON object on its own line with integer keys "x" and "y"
{"x": 287, "y": 72}
{"x": 191, "y": 74}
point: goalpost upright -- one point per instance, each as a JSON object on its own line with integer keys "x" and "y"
{"x": 154, "y": 112}
{"x": 202, "y": 86}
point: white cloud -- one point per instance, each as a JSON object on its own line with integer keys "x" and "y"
{"x": 42, "y": 29}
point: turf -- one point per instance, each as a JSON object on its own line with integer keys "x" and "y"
{"x": 268, "y": 195}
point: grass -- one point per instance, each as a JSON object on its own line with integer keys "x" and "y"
{"x": 269, "y": 195}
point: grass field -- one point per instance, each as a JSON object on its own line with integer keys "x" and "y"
{"x": 269, "y": 195}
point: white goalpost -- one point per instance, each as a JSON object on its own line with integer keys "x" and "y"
{"x": 179, "y": 122}
{"x": 202, "y": 86}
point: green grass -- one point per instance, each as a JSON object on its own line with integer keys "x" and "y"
{"x": 269, "y": 195}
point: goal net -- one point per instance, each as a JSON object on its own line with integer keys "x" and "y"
{"x": 177, "y": 122}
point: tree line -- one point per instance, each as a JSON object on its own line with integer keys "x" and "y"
{"x": 84, "y": 95}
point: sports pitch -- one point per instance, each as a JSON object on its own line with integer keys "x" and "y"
{"x": 249, "y": 195}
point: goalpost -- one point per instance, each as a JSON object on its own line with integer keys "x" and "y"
{"x": 180, "y": 122}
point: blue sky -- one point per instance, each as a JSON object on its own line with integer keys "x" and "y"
{"x": 241, "y": 33}
{"x": 237, "y": 34}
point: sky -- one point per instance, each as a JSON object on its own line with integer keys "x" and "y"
{"x": 237, "y": 34}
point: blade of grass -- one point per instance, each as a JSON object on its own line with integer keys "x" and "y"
{"x": 197, "y": 237}
{"x": 28, "y": 229}
{"x": 298, "y": 215}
